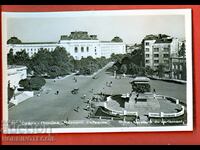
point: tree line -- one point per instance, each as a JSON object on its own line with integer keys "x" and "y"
{"x": 132, "y": 64}
{"x": 55, "y": 63}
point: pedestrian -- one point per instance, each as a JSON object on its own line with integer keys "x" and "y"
{"x": 92, "y": 90}
{"x": 154, "y": 93}
{"x": 84, "y": 96}
{"x": 110, "y": 83}
{"x": 57, "y": 92}
{"x": 54, "y": 80}
{"x": 136, "y": 97}
{"x": 135, "y": 100}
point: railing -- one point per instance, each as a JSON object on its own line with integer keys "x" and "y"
{"x": 154, "y": 115}
{"x": 116, "y": 112}
{"x": 172, "y": 99}
{"x": 163, "y": 115}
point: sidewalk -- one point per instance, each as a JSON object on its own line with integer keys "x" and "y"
{"x": 62, "y": 78}
{"x": 95, "y": 73}
{"x": 167, "y": 79}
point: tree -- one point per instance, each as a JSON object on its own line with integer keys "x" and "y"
{"x": 41, "y": 62}
{"x": 10, "y": 57}
{"x": 132, "y": 68}
{"x": 184, "y": 73}
{"x": 123, "y": 69}
{"x": 117, "y": 57}
{"x": 182, "y": 50}
{"x": 54, "y": 71}
{"x": 149, "y": 71}
{"x": 141, "y": 71}
{"x": 21, "y": 58}
{"x": 160, "y": 70}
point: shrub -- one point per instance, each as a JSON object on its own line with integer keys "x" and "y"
{"x": 25, "y": 83}
{"x": 34, "y": 83}
{"x": 37, "y": 82}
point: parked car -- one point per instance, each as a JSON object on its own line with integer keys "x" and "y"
{"x": 75, "y": 91}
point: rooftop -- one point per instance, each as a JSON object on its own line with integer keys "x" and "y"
{"x": 39, "y": 43}
{"x": 79, "y": 35}
{"x": 163, "y": 41}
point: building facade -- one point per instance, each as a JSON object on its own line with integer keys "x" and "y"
{"x": 178, "y": 68}
{"x": 79, "y": 44}
{"x": 159, "y": 51}
{"x": 15, "y": 74}
{"x": 31, "y": 48}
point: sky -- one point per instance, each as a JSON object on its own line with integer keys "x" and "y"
{"x": 132, "y": 29}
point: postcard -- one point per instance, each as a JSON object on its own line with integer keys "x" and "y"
{"x": 97, "y": 71}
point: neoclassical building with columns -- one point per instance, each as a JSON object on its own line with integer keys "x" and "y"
{"x": 79, "y": 44}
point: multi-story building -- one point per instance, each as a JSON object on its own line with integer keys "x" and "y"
{"x": 32, "y": 47}
{"x": 79, "y": 44}
{"x": 158, "y": 51}
{"x": 178, "y": 68}
{"x": 131, "y": 48}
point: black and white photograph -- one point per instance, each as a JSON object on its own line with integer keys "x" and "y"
{"x": 97, "y": 71}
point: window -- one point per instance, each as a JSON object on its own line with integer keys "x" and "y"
{"x": 76, "y": 49}
{"x": 147, "y": 43}
{"x": 181, "y": 67}
{"x": 165, "y": 55}
{"x": 95, "y": 49}
{"x": 167, "y": 67}
{"x": 166, "y": 49}
{"x": 147, "y": 55}
{"x": 156, "y": 49}
{"x": 173, "y": 66}
{"x": 156, "y": 61}
{"x": 147, "y": 61}
{"x": 82, "y": 49}
{"x": 156, "y": 55}
{"x": 87, "y": 49}
{"x": 166, "y": 61}
{"x": 147, "y": 49}
{"x": 95, "y": 53}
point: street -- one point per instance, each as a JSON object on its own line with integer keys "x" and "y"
{"x": 50, "y": 106}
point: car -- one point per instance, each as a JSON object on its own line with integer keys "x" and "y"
{"x": 95, "y": 77}
{"x": 75, "y": 91}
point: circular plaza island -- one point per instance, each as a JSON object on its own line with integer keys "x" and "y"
{"x": 142, "y": 106}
